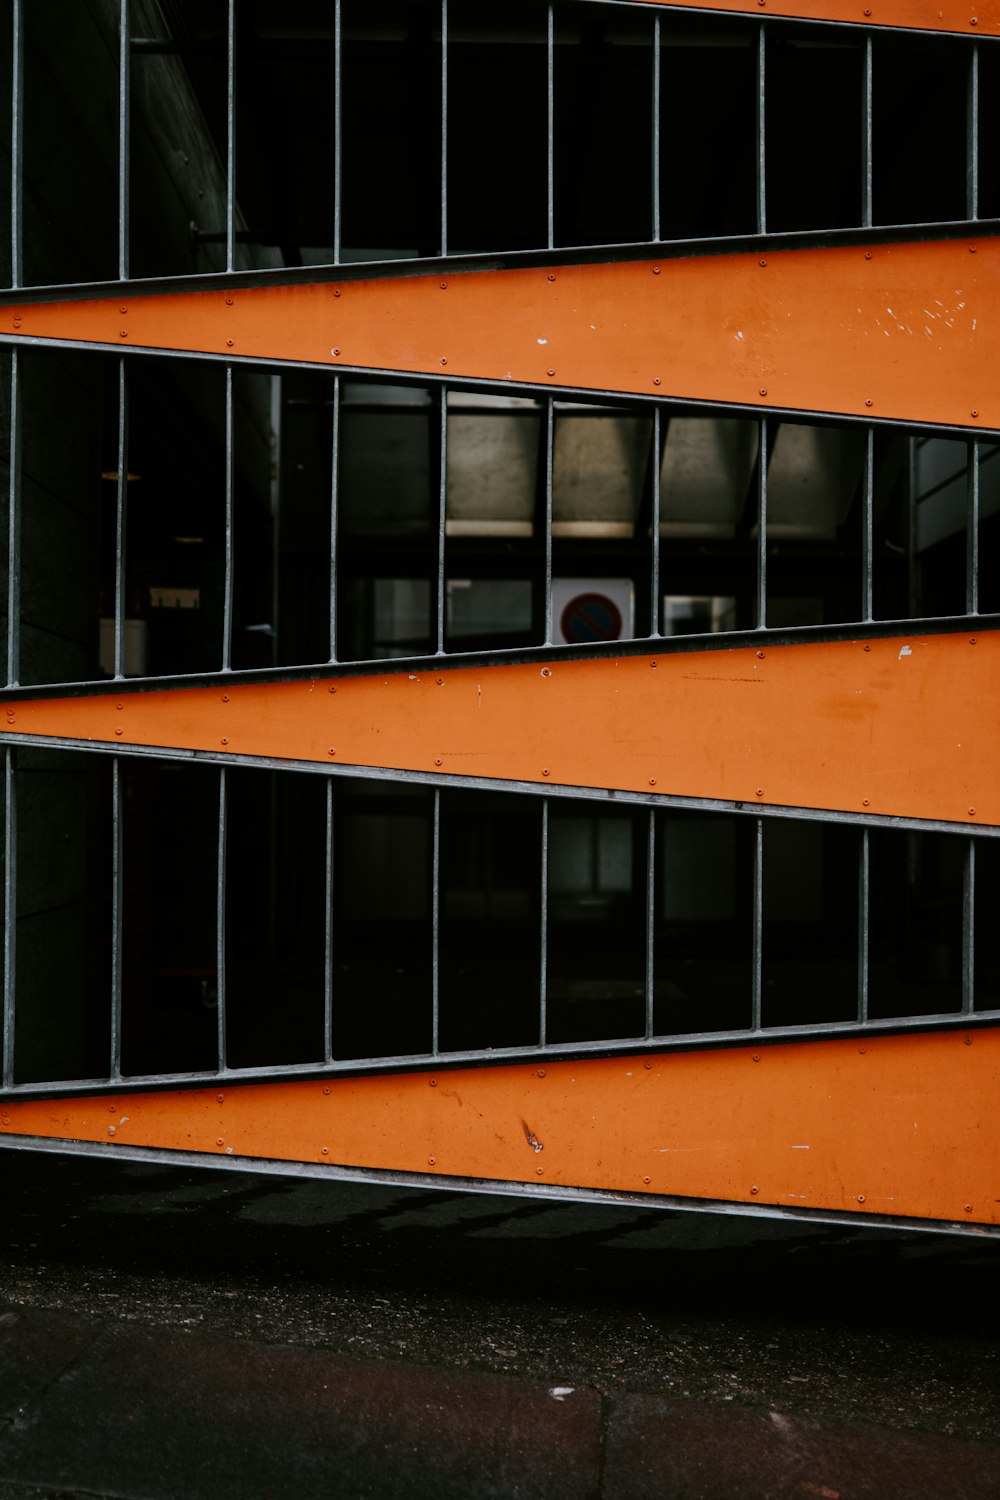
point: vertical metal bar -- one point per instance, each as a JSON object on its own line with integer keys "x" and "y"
{"x": 231, "y": 138}
{"x": 17, "y": 143}
{"x": 867, "y": 512}
{"x": 864, "y": 909}
{"x": 436, "y": 926}
{"x": 334, "y": 516}
{"x": 220, "y": 921}
{"x": 120, "y": 519}
{"x": 969, "y": 929}
{"x": 550, "y": 55}
{"x": 10, "y": 913}
{"x": 972, "y": 137}
{"x": 124, "y": 96}
{"x": 117, "y": 915}
{"x": 761, "y": 130}
{"x": 543, "y": 933}
{"x": 654, "y": 537}
{"x": 757, "y": 989}
{"x": 444, "y": 127}
{"x": 867, "y": 206}
{"x": 656, "y": 128}
{"x": 550, "y": 443}
{"x": 762, "y": 463}
{"x": 338, "y": 120}
{"x": 442, "y": 521}
{"x": 328, "y": 931}
{"x": 650, "y": 922}
{"x": 972, "y": 531}
{"x": 227, "y": 600}
{"x": 14, "y": 525}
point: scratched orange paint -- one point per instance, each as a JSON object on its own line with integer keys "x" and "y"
{"x": 905, "y": 726}
{"x": 898, "y": 1125}
{"x": 971, "y": 19}
{"x": 909, "y": 331}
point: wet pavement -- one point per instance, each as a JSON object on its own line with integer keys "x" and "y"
{"x": 168, "y": 1333}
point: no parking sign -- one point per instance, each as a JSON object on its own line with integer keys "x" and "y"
{"x": 586, "y": 611}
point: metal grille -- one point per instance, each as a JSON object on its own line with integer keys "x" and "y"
{"x": 260, "y": 921}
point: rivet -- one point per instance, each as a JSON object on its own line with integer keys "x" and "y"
{"x": 974, "y": 21}
{"x": 756, "y": 1057}
{"x": 868, "y": 255}
{"x": 333, "y": 689}
{"x": 331, "y": 751}
{"x": 326, "y": 1151}
{"x": 865, "y": 802}
{"x": 868, "y": 401}
{"x": 974, "y": 413}
{"x": 972, "y": 812}
{"x": 123, "y": 309}
{"x": 972, "y": 640}
{"x": 862, "y": 1050}
{"x": 755, "y": 1190}
{"x": 230, "y": 343}
{"x": 112, "y": 1108}
{"x": 437, "y": 760}
{"x": 656, "y": 270}
{"x": 541, "y": 1072}
{"x": 763, "y": 390}
{"x": 118, "y": 730}
{"x": 867, "y": 11}
{"x": 539, "y": 1170}
{"x": 652, "y": 664}
{"x": 552, "y": 276}
{"x": 443, "y": 360}
{"x": 433, "y": 1082}
{"x": 760, "y": 791}
{"x": 645, "y": 1179}
{"x": 440, "y": 681}
{"x": 444, "y": 286}
{"x": 225, "y": 697}
{"x": 968, "y": 1208}
{"x": 652, "y": 781}
{"x": 229, "y": 301}
{"x": 546, "y": 672}
{"x": 431, "y": 1160}
{"x": 551, "y": 372}
{"x": 545, "y": 772}
{"x": 861, "y": 1197}
{"x": 219, "y": 1098}
{"x": 867, "y": 646}
{"x": 218, "y": 1140}
{"x": 334, "y": 351}
{"x": 968, "y": 1041}
{"x": 760, "y": 655}
{"x": 225, "y": 740}
{"x": 17, "y": 322}
{"x": 647, "y": 1064}
{"x": 763, "y": 262}
{"x": 119, "y": 705}
{"x": 972, "y": 249}
{"x": 124, "y": 333}
{"x": 336, "y": 291}
{"x": 326, "y": 1091}
{"x": 656, "y": 379}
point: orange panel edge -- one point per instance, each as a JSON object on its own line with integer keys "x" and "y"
{"x": 893, "y": 1126}
{"x": 908, "y": 15}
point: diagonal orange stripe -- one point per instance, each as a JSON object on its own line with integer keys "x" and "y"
{"x": 909, "y": 332}
{"x": 969, "y": 19}
{"x": 898, "y": 1125}
{"x": 903, "y": 726}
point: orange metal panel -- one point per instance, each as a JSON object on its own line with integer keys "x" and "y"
{"x": 899, "y": 1125}
{"x": 905, "y": 726}
{"x": 971, "y": 19}
{"x": 907, "y": 331}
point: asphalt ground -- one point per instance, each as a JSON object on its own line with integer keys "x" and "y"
{"x": 173, "y": 1334}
